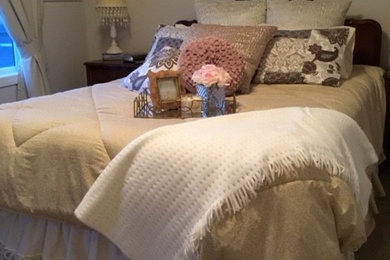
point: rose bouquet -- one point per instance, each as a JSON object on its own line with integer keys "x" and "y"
{"x": 211, "y": 75}
{"x": 211, "y": 82}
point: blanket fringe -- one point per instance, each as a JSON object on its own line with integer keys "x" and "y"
{"x": 287, "y": 163}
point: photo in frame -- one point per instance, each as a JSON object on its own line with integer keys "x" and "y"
{"x": 165, "y": 90}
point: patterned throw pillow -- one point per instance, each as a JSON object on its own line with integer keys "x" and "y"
{"x": 166, "y": 41}
{"x": 249, "y": 41}
{"x": 320, "y": 56}
{"x": 230, "y": 12}
{"x": 166, "y": 36}
{"x": 137, "y": 79}
{"x": 211, "y": 50}
{"x": 306, "y": 14}
{"x": 164, "y": 59}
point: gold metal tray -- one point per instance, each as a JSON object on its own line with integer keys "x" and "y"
{"x": 143, "y": 108}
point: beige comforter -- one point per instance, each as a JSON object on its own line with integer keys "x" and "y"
{"x": 54, "y": 147}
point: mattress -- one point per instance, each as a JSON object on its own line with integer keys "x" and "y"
{"x": 56, "y": 146}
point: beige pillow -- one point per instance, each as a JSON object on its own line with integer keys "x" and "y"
{"x": 249, "y": 41}
{"x": 318, "y": 56}
{"x": 306, "y": 14}
{"x": 230, "y": 12}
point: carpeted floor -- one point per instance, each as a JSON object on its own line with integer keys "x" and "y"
{"x": 378, "y": 244}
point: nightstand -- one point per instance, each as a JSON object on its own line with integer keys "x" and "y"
{"x": 100, "y": 71}
{"x": 386, "y": 139}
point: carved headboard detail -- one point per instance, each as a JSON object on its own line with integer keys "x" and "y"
{"x": 368, "y": 40}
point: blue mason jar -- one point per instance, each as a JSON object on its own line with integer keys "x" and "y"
{"x": 213, "y": 100}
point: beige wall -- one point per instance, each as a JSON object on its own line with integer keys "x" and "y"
{"x": 64, "y": 37}
{"x": 72, "y": 33}
{"x": 145, "y": 16}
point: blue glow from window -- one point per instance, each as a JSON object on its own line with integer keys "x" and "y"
{"x": 7, "y": 49}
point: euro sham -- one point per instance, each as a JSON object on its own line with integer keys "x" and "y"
{"x": 228, "y": 12}
{"x": 306, "y": 14}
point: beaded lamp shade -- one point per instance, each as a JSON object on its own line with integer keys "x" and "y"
{"x": 113, "y": 13}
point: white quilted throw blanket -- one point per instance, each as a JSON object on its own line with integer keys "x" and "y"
{"x": 159, "y": 195}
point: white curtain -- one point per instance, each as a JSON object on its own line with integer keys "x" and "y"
{"x": 23, "y": 20}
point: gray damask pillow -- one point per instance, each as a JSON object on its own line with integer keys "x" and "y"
{"x": 320, "y": 56}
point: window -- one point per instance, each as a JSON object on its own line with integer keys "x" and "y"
{"x": 7, "y": 49}
{"x": 7, "y": 52}
{"x": 8, "y": 59}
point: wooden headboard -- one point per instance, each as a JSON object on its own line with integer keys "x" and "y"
{"x": 368, "y": 40}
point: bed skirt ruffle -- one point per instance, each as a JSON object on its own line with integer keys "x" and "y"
{"x": 31, "y": 238}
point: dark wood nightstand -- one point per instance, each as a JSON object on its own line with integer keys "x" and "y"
{"x": 386, "y": 139}
{"x": 100, "y": 71}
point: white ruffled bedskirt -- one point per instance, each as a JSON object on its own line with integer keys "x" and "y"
{"x": 28, "y": 237}
{"x": 36, "y": 238}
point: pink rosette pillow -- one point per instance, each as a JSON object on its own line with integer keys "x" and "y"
{"x": 211, "y": 50}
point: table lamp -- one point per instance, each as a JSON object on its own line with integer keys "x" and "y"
{"x": 113, "y": 13}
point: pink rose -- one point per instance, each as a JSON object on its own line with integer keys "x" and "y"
{"x": 210, "y": 74}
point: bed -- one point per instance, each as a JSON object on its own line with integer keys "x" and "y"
{"x": 53, "y": 148}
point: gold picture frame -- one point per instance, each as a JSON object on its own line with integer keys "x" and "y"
{"x": 165, "y": 89}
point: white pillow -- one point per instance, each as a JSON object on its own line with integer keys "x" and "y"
{"x": 306, "y": 14}
{"x": 230, "y": 12}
